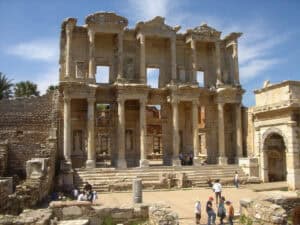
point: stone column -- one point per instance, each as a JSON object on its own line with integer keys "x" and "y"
{"x": 143, "y": 58}
{"x": 173, "y": 58}
{"x": 292, "y": 156}
{"x": 235, "y": 63}
{"x": 91, "y": 157}
{"x": 69, "y": 33}
{"x": 121, "y": 162}
{"x": 239, "y": 140}
{"x": 195, "y": 113}
{"x": 175, "y": 161}
{"x": 218, "y": 63}
{"x": 221, "y": 133}
{"x": 67, "y": 129}
{"x": 143, "y": 133}
{"x": 120, "y": 56}
{"x": 194, "y": 61}
{"x": 92, "y": 67}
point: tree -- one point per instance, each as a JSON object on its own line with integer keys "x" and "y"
{"x": 26, "y": 89}
{"x": 5, "y": 86}
{"x": 52, "y": 88}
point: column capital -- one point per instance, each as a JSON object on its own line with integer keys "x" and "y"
{"x": 69, "y": 28}
{"x": 195, "y": 102}
{"x": 193, "y": 43}
{"x": 175, "y": 101}
{"x": 67, "y": 99}
{"x": 91, "y": 34}
{"x": 91, "y": 100}
{"x": 120, "y": 100}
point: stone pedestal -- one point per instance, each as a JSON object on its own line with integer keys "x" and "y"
{"x": 144, "y": 163}
{"x": 90, "y": 163}
{"x": 176, "y": 162}
{"x": 121, "y": 163}
{"x": 197, "y": 161}
{"x": 223, "y": 160}
{"x": 66, "y": 176}
{"x": 137, "y": 191}
{"x": 249, "y": 166}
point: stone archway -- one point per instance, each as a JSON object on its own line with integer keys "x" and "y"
{"x": 274, "y": 157}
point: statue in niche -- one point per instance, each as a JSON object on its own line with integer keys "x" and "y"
{"x": 77, "y": 142}
{"x": 129, "y": 68}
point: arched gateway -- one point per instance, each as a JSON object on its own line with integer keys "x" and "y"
{"x": 274, "y": 157}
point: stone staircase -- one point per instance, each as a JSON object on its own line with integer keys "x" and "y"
{"x": 156, "y": 177}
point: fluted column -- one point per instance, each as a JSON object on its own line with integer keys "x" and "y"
{"x": 92, "y": 67}
{"x": 221, "y": 133}
{"x": 143, "y": 133}
{"x": 194, "y": 61}
{"x": 91, "y": 157}
{"x": 195, "y": 114}
{"x": 175, "y": 161}
{"x": 69, "y": 34}
{"x": 239, "y": 141}
{"x": 173, "y": 58}
{"x": 120, "y": 56}
{"x": 143, "y": 58}
{"x": 235, "y": 63}
{"x": 67, "y": 129}
{"x": 121, "y": 163}
{"x": 218, "y": 63}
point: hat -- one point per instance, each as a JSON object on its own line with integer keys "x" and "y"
{"x": 211, "y": 198}
{"x": 228, "y": 202}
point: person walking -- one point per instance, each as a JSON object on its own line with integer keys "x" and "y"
{"x": 217, "y": 188}
{"x": 236, "y": 179}
{"x": 222, "y": 210}
{"x": 198, "y": 212}
{"x": 211, "y": 215}
{"x": 230, "y": 212}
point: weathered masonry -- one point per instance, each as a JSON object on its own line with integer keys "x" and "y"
{"x": 115, "y": 122}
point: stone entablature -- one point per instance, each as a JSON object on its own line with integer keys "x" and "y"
{"x": 105, "y": 40}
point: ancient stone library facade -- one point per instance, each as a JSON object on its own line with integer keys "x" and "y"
{"x": 116, "y": 121}
{"x": 107, "y": 113}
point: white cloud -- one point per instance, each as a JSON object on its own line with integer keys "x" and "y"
{"x": 44, "y": 80}
{"x": 42, "y": 50}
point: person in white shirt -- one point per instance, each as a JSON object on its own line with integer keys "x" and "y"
{"x": 217, "y": 188}
{"x": 236, "y": 179}
{"x": 82, "y": 197}
{"x": 198, "y": 212}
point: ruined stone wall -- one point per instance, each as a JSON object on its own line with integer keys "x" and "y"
{"x": 25, "y": 124}
{"x": 3, "y": 158}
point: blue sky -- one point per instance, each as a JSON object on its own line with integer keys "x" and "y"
{"x": 268, "y": 50}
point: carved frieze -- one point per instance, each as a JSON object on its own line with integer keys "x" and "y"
{"x": 204, "y": 33}
{"x": 106, "y": 18}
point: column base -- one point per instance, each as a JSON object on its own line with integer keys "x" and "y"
{"x": 176, "y": 162}
{"x": 223, "y": 160}
{"x": 237, "y": 159}
{"x": 90, "y": 163}
{"x": 144, "y": 163}
{"x": 197, "y": 161}
{"x": 121, "y": 163}
{"x": 66, "y": 165}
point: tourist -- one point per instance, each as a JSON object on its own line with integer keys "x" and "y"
{"x": 198, "y": 212}
{"x": 221, "y": 210}
{"x": 230, "y": 212}
{"x": 191, "y": 156}
{"x": 87, "y": 187}
{"x": 211, "y": 215}
{"x": 236, "y": 179}
{"x": 181, "y": 158}
{"x": 217, "y": 188}
{"x": 82, "y": 197}
{"x": 95, "y": 196}
{"x": 75, "y": 193}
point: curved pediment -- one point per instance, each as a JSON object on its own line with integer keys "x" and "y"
{"x": 156, "y": 25}
{"x": 106, "y": 18}
{"x": 205, "y": 33}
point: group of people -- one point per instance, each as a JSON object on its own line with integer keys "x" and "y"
{"x": 186, "y": 159}
{"x": 220, "y": 203}
{"x": 87, "y": 194}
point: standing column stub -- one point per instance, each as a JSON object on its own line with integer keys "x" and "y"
{"x": 175, "y": 160}
{"x": 218, "y": 64}
{"x": 120, "y": 56}
{"x": 221, "y": 134}
{"x": 143, "y": 134}
{"x": 194, "y": 60}
{"x": 142, "y": 58}
{"x": 67, "y": 129}
{"x": 121, "y": 162}
{"x": 92, "y": 67}
{"x": 91, "y": 157}
{"x": 69, "y": 33}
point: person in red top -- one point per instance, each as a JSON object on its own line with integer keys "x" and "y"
{"x": 230, "y": 212}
